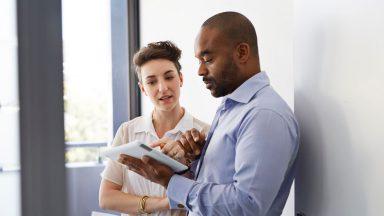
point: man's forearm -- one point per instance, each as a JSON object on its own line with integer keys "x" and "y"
{"x": 214, "y": 199}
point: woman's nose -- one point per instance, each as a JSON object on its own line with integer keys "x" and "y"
{"x": 162, "y": 86}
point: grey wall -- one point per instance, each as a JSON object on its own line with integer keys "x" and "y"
{"x": 339, "y": 101}
{"x": 83, "y": 190}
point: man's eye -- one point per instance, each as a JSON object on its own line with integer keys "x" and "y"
{"x": 151, "y": 82}
{"x": 169, "y": 78}
{"x": 208, "y": 61}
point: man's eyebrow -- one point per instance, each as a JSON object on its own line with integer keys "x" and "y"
{"x": 204, "y": 53}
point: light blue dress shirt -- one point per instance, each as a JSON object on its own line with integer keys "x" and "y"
{"x": 249, "y": 163}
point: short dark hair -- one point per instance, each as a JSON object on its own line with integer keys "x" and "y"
{"x": 157, "y": 50}
{"x": 236, "y": 28}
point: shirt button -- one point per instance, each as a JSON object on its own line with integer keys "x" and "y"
{"x": 180, "y": 205}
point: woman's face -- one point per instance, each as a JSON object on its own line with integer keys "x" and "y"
{"x": 161, "y": 82}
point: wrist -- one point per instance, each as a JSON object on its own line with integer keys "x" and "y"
{"x": 155, "y": 204}
{"x": 166, "y": 181}
{"x": 143, "y": 206}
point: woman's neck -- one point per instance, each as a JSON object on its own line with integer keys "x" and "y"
{"x": 164, "y": 121}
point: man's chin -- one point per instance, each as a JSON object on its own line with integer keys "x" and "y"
{"x": 215, "y": 93}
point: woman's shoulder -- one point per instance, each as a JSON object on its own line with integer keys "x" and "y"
{"x": 126, "y": 130}
{"x": 203, "y": 126}
{"x": 131, "y": 124}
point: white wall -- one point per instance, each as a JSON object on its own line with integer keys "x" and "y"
{"x": 180, "y": 21}
{"x": 339, "y": 100}
{"x": 9, "y": 111}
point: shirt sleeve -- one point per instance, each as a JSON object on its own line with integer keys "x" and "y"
{"x": 263, "y": 153}
{"x": 113, "y": 170}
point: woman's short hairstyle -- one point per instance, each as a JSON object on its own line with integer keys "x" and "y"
{"x": 157, "y": 50}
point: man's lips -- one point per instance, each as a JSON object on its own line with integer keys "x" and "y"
{"x": 208, "y": 83}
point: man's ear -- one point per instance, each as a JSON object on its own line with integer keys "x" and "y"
{"x": 243, "y": 51}
{"x": 142, "y": 88}
{"x": 181, "y": 79}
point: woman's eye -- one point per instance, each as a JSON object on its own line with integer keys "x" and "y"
{"x": 169, "y": 78}
{"x": 151, "y": 82}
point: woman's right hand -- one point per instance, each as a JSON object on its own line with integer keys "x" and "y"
{"x": 171, "y": 148}
{"x": 187, "y": 148}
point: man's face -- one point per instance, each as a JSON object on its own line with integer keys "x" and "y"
{"x": 217, "y": 66}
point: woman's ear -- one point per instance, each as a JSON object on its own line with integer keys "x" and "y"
{"x": 142, "y": 88}
{"x": 181, "y": 79}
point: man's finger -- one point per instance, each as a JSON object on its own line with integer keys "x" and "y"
{"x": 154, "y": 164}
{"x": 149, "y": 161}
{"x": 185, "y": 145}
{"x": 195, "y": 148}
{"x": 195, "y": 134}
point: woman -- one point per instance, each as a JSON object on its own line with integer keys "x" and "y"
{"x": 160, "y": 78}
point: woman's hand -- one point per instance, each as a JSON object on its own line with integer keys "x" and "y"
{"x": 187, "y": 148}
{"x": 171, "y": 148}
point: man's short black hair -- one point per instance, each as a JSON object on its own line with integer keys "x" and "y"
{"x": 236, "y": 28}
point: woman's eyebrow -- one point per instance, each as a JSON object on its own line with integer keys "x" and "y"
{"x": 168, "y": 71}
{"x": 150, "y": 76}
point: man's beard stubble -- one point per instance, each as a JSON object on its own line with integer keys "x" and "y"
{"x": 227, "y": 82}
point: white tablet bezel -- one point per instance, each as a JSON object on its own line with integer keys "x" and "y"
{"x": 139, "y": 149}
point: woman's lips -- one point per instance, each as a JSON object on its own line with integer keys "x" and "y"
{"x": 166, "y": 98}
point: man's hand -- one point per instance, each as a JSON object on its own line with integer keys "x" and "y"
{"x": 149, "y": 168}
{"x": 188, "y": 147}
{"x": 192, "y": 142}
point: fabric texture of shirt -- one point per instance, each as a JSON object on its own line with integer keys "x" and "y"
{"x": 248, "y": 165}
{"x": 142, "y": 129}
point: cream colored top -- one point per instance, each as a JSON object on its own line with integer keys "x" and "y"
{"x": 141, "y": 128}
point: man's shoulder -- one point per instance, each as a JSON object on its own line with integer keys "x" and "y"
{"x": 269, "y": 101}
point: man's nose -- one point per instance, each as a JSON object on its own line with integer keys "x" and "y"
{"x": 202, "y": 71}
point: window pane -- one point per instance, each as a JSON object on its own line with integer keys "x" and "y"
{"x": 9, "y": 112}
{"x": 82, "y": 154}
{"x": 87, "y": 71}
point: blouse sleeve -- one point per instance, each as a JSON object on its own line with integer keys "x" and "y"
{"x": 113, "y": 170}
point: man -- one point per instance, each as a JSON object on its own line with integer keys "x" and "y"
{"x": 246, "y": 164}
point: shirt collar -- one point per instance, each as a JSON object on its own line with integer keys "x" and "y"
{"x": 249, "y": 88}
{"x": 145, "y": 124}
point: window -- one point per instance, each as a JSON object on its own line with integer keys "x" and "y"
{"x": 87, "y": 78}
{"x": 9, "y": 112}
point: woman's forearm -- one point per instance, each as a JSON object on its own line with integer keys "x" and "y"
{"x": 127, "y": 203}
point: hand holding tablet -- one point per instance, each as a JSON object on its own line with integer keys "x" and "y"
{"x": 139, "y": 149}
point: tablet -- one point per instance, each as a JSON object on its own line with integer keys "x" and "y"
{"x": 138, "y": 149}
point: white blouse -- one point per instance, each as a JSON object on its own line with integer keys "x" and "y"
{"x": 141, "y": 128}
